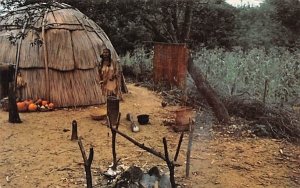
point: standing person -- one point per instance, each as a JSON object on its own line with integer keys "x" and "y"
{"x": 109, "y": 74}
{"x": 20, "y": 85}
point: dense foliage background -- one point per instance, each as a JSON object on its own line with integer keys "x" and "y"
{"x": 200, "y": 23}
{"x": 238, "y": 48}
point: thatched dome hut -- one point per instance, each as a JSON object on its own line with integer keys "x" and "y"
{"x": 56, "y": 48}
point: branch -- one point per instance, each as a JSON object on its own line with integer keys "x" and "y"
{"x": 166, "y": 150}
{"x": 178, "y": 146}
{"x": 87, "y": 163}
{"x": 169, "y": 163}
{"x": 155, "y": 30}
{"x": 91, "y": 156}
{"x": 169, "y": 22}
{"x": 157, "y": 154}
{"x": 82, "y": 150}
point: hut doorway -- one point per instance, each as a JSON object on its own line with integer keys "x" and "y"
{"x": 6, "y": 76}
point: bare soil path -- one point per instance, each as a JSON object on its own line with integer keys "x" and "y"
{"x": 39, "y": 153}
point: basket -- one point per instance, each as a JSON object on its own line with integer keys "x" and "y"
{"x": 99, "y": 114}
{"x": 98, "y": 117}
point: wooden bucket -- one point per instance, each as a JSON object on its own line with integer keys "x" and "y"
{"x": 183, "y": 116}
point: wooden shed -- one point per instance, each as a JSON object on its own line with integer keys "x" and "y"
{"x": 57, "y": 50}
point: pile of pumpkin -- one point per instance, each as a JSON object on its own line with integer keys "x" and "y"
{"x": 32, "y": 106}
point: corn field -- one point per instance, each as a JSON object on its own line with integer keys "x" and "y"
{"x": 271, "y": 76}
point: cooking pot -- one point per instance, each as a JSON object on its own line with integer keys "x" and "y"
{"x": 143, "y": 119}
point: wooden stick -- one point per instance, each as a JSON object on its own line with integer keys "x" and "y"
{"x": 74, "y": 130}
{"x": 46, "y": 58}
{"x": 18, "y": 54}
{"x": 188, "y": 153}
{"x": 114, "y": 153}
{"x": 87, "y": 163}
{"x": 82, "y": 150}
{"x": 152, "y": 151}
{"x": 178, "y": 146}
{"x": 169, "y": 163}
{"x": 114, "y": 134}
{"x": 118, "y": 122}
{"x": 123, "y": 84}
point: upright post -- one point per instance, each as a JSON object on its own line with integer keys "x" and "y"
{"x": 74, "y": 130}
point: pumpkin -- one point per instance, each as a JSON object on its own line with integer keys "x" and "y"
{"x": 28, "y": 101}
{"x": 32, "y": 107}
{"x": 38, "y": 102}
{"x": 22, "y": 107}
{"x": 51, "y": 105}
{"x": 44, "y": 103}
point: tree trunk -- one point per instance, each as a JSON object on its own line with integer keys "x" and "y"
{"x": 208, "y": 93}
{"x": 169, "y": 16}
{"x": 174, "y": 13}
{"x": 13, "y": 116}
{"x": 186, "y": 26}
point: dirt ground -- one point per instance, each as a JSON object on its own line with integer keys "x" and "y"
{"x": 39, "y": 152}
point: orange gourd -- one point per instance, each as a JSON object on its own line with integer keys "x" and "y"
{"x": 32, "y": 107}
{"x": 38, "y": 102}
{"x": 51, "y": 105}
{"x": 44, "y": 103}
{"x": 22, "y": 107}
{"x": 28, "y": 101}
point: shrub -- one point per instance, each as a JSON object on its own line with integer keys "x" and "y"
{"x": 138, "y": 65}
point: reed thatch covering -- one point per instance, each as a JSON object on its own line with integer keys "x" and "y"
{"x": 56, "y": 48}
{"x": 170, "y": 63}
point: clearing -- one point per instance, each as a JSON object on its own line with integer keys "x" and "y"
{"x": 39, "y": 153}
